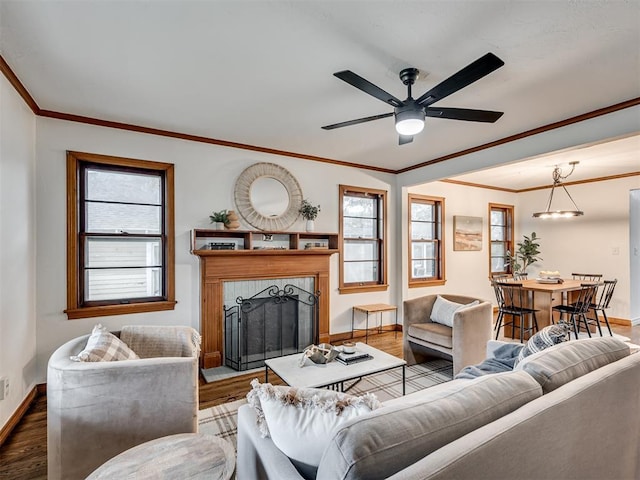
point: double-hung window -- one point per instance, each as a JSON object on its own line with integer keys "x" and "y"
{"x": 426, "y": 241}
{"x": 362, "y": 234}
{"x": 120, "y": 236}
{"x": 501, "y": 237}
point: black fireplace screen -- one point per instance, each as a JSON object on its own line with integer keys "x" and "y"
{"x": 272, "y": 323}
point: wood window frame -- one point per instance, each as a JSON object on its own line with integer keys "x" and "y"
{"x": 381, "y": 284}
{"x": 510, "y": 211}
{"x": 75, "y": 308}
{"x": 441, "y": 279}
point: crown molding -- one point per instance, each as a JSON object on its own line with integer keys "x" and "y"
{"x": 28, "y": 99}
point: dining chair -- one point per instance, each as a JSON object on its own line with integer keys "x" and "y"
{"x": 512, "y": 301}
{"x": 587, "y": 277}
{"x": 577, "y": 311}
{"x": 603, "y": 301}
{"x": 499, "y": 299}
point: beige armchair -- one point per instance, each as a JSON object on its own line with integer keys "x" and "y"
{"x": 96, "y": 410}
{"x": 465, "y": 343}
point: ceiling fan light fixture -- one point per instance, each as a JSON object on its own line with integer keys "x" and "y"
{"x": 410, "y": 121}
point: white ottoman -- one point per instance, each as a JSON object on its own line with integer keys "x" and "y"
{"x": 181, "y": 456}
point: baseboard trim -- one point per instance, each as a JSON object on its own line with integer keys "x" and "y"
{"x": 619, "y": 321}
{"x": 360, "y": 334}
{"x": 17, "y": 415}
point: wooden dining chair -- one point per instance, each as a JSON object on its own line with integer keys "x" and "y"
{"x": 512, "y": 301}
{"x": 577, "y": 311}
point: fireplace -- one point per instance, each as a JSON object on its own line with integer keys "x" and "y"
{"x": 277, "y": 321}
{"x": 221, "y": 267}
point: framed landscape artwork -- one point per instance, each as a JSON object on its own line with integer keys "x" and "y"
{"x": 467, "y": 233}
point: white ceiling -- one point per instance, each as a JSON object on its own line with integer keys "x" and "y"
{"x": 260, "y": 72}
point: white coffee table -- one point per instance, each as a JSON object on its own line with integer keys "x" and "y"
{"x": 333, "y": 374}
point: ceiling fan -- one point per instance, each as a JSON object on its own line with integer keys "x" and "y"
{"x": 410, "y": 113}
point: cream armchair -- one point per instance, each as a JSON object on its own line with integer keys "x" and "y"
{"x": 96, "y": 410}
{"x": 465, "y": 343}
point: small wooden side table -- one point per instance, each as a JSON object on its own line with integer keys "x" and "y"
{"x": 369, "y": 309}
{"x": 184, "y": 455}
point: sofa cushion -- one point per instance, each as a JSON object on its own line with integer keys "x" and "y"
{"x": 392, "y": 437}
{"x": 104, "y": 346}
{"x": 444, "y": 310}
{"x": 557, "y": 365}
{"x": 432, "y": 333}
{"x": 545, "y": 338}
{"x": 300, "y": 420}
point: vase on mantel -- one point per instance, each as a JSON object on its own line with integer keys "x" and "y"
{"x": 233, "y": 222}
{"x": 311, "y": 226}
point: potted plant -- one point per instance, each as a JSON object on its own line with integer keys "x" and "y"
{"x": 526, "y": 254}
{"x": 309, "y": 212}
{"x": 220, "y": 219}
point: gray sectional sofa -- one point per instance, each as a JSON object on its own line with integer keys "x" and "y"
{"x": 568, "y": 412}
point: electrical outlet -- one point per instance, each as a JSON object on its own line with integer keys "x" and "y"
{"x": 4, "y": 388}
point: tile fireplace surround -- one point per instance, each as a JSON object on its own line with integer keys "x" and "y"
{"x": 218, "y": 267}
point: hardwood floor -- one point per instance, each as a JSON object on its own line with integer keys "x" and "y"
{"x": 24, "y": 454}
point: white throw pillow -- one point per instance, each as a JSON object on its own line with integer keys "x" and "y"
{"x": 300, "y": 421}
{"x": 443, "y": 310}
{"x": 104, "y": 346}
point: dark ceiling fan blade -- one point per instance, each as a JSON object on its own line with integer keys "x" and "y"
{"x": 469, "y": 74}
{"x": 357, "y": 121}
{"x": 467, "y": 114}
{"x": 367, "y": 87}
{"x": 405, "y": 139}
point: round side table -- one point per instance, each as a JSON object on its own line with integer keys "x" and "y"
{"x": 183, "y": 456}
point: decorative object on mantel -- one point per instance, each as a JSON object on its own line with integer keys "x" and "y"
{"x": 309, "y": 212}
{"x": 527, "y": 254}
{"x": 233, "y": 222}
{"x": 467, "y": 233}
{"x": 268, "y": 197}
{"x": 557, "y": 182}
{"x": 219, "y": 219}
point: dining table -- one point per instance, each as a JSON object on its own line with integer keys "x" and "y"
{"x": 544, "y": 295}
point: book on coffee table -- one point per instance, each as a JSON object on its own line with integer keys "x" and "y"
{"x": 349, "y": 358}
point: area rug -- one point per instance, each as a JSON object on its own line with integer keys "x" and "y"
{"x": 222, "y": 420}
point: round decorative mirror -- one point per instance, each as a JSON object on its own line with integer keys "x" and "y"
{"x": 268, "y": 197}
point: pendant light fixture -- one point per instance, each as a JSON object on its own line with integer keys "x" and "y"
{"x": 557, "y": 182}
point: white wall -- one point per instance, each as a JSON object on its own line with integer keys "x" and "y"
{"x": 467, "y": 273}
{"x": 597, "y": 242}
{"x": 204, "y": 180}
{"x": 634, "y": 253}
{"x": 17, "y": 248}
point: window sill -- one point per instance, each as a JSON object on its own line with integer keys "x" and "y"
{"x": 363, "y": 288}
{"x": 106, "y": 310}
{"x": 426, "y": 283}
